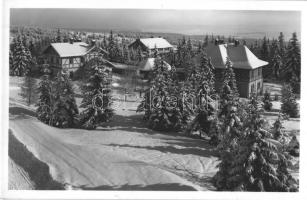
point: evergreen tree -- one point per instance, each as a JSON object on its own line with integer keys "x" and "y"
{"x": 58, "y": 37}
{"x": 202, "y": 85}
{"x": 45, "y": 100}
{"x": 22, "y": 59}
{"x": 229, "y": 78}
{"x": 64, "y": 108}
{"x": 206, "y": 42}
{"x": 256, "y": 163}
{"x": 96, "y": 95}
{"x": 292, "y": 67}
{"x": 28, "y": 89}
{"x": 267, "y": 105}
{"x": 281, "y": 44}
{"x": 265, "y": 55}
{"x": 276, "y": 60}
{"x": 289, "y": 105}
{"x": 11, "y": 62}
{"x": 163, "y": 104}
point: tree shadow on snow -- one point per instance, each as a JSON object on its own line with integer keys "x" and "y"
{"x": 21, "y": 112}
{"x": 203, "y": 152}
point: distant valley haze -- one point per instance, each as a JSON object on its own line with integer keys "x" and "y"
{"x": 244, "y": 24}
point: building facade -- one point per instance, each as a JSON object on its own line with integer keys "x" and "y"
{"x": 70, "y": 56}
{"x": 247, "y": 67}
{"x": 150, "y": 45}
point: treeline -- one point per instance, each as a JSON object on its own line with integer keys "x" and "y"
{"x": 284, "y": 59}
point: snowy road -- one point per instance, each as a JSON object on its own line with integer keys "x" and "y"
{"x": 124, "y": 156}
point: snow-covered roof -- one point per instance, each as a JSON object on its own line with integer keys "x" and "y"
{"x": 240, "y": 56}
{"x": 149, "y": 63}
{"x": 70, "y": 50}
{"x": 151, "y": 43}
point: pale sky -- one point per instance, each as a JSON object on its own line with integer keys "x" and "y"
{"x": 244, "y": 23}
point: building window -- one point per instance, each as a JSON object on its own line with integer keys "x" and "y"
{"x": 71, "y": 60}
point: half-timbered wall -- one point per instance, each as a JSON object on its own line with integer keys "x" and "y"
{"x": 71, "y": 63}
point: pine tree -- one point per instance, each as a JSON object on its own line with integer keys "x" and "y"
{"x": 58, "y": 37}
{"x": 45, "y": 100}
{"x": 64, "y": 108}
{"x": 264, "y": 55}
{"x": 229, "y": 78}
{"x": 96, "y": 95}
{"x": 22, "y": 58}
{"x": 281, "y": 45}
{"x": 163, "y": 103}
{"x": 289, "y": 105}
{"x": 292, "y": 67}
{"x": 11, "y": 62}
{"x": 28, "y": 89}
{"x": 277, "y": 64}
{"x": 256, "y": 163}
{"x": 267, "y": 105}
{"x": 202, "y": 85}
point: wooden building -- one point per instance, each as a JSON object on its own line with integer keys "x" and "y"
{"x": 247, "y": 67}
{"x": 70, "y": 56}
{"x": 149, "y": 45}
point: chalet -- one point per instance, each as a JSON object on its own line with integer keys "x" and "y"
{"x": 70, "y": 56}
{"x": 247, "y": 67}
{"x": 149, "y": 45}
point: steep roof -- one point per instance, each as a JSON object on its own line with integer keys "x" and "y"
{"x": 240, "y": 56}
{"x": 151, "y": 43}
{"x": 70, "y": 50}
{"x": 149, "y": 63}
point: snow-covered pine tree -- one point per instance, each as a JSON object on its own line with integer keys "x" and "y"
{"x": 277, "y": 132}
{"x": 96, "y": 95}
{"x": 202, "y": 84}
{"x": 229, "y": 77}
{"x": 64, "y": 107}
{"x": 22, "y": 58}
{"x": 228, "y": 92}
{"x": 292, "y": 66}
{"x": 267, "y": 105}
{"x": 45, "y": 100}
{"x": 289, "y": 105}
{"x": 163, "y": 103}
{"x": 256, "y": 162}
{"x": 28, "y": 89}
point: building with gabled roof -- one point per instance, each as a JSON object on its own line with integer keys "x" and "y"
{"x": 147, "y": 66}
{"x": 149, "y": 45}
{"x": 70, "y": 56}
{"x": 247, "y": 67}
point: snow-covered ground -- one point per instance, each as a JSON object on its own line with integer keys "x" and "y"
{"x": 125, "y": 155}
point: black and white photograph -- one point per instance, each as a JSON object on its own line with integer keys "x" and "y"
{"x": 148, "y": 99}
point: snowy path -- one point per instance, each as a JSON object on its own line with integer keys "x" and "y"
{"x": 124, "y": 156}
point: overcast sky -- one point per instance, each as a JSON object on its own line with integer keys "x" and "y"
{"x": 244, "y": 23}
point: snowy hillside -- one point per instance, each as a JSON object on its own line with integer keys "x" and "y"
{"x": 125, "y": 155}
